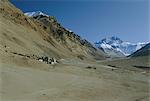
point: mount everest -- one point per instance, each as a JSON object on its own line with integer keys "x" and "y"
{"x": 114, "y": 46}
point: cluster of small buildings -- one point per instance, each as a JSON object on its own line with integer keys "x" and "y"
{"x": 48, "y": 60}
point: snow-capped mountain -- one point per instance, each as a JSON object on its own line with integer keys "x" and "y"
{"x": 34, "y": 14}
{"x": 114, "y": 46}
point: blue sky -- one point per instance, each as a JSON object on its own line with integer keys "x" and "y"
{"x": 97, "y": 19}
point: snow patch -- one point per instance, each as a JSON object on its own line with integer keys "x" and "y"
{"x": 34, "y": 14}
{"x": 106, "y": 46}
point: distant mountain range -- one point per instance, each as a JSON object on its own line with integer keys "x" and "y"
{"x": 114, "y": 46}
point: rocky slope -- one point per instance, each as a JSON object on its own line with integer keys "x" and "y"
{"x": 114, "y": 46}
{"x": 41, "y": 35}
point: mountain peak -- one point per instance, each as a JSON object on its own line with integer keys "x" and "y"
{"x": 110, "y": 40}
{"x": 113, "y": 39}
{"x": 34, "y": 14}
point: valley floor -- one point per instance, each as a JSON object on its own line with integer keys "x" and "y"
{"x": 24, "y": 79}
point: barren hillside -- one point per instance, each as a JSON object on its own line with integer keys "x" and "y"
{"x": 29, "y": 36}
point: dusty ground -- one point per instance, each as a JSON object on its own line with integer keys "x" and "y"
{"x": 24, "y": 79}
{"x": 129, "y": 63}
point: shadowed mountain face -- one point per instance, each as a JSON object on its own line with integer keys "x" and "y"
{"x": 144, "y": 51}
{"x": 42, "y": 35}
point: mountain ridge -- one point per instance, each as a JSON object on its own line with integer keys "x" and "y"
{"x": 53, "y": 39}
{"x": 60, "y": 33}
